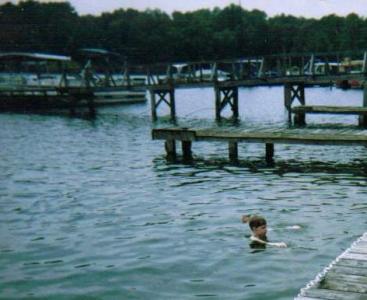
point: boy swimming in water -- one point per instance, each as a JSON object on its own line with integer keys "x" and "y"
{"x": 258, "y": 228}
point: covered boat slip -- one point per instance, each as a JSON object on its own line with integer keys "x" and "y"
{"x": 42, "y": 81}
{"x": 344, "y": 279}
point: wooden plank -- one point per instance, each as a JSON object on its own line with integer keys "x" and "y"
{"x": 354, "y": 263}
{"x": 333, "y": 295}
{"x": 349, "y": 270}
{"x": 355, "y": 256}
{"x": 259, "y": 137}
{"x": 360, "y": 250}
{"x": 345, "y": 286}
{"x": 320, "y": 109}
{"x": 345, "y": 278}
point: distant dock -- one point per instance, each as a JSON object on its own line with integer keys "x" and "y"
{"x": 345, "y": 278}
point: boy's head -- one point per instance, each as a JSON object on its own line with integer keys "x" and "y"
{"x": 257, "y": 225}
{"x": 256, "y": 221}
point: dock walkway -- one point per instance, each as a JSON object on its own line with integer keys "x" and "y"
{"x": 301, "y": 111}
{"x": 187, "y": 136}
{"x": 345, "y": 278}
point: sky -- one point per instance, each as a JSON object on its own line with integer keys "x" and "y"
{"x": 305, "y": 8}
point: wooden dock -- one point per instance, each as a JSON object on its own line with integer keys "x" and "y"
{"x": 301, "y": 111}
{"x": 26, "y": 99}
{"x": 345, "y": 278}
{"x": 187, "y": 136}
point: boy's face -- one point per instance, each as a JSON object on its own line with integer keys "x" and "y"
{"x": 260, "y": 231}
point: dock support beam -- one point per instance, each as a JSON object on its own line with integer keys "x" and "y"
{"x": 91, "y": 107}
{"x": 233, "y": 152}
{"x": 269, "y": 153}
{"x": 170, "y": 146}
{"x": 363, "y": 118}
{"x": 186, "y": 151}
{"x": 293, "y": 91}
{"x": 230, "y": 97}
{"x": 166, "y": 95}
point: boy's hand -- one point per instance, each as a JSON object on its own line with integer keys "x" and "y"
{"x": 279, "y": 245}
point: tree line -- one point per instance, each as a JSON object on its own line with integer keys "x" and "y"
{"x": 155, "y": 36}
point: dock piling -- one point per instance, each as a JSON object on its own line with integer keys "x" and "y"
{"x": 233, "y": 152}
{"x": 269, "y": 153}
{"x": 186, "y": 151}
{"x": 293, "y": 91}
{"x": 363, "y": 118}
{"x": 166, "y": 95}
{"x": 170, "y": 146}
{"x": 230, "y": 97}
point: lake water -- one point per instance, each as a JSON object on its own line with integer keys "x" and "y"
{"x": 92, "y": 210}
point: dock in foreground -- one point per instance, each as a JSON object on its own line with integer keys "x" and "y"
{"x": 188, "y": 136}
{"x": 345, "y": 278}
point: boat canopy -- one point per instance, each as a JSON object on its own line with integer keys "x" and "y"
{"x": 95, "y": 53}
{"x": 32, "y": 56}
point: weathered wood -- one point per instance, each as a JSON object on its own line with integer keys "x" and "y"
{"x": 166, "y": 95}
{"x": 352, "y": 263}
{"x": 153, "y": 105}
{"x": 186, "y": 151}
{"x": 345, "y": 278}
{"x": 233, "y": 152}
{"x": 301, "y": 111}
{"x": 338, "y": 284}
{"x": 321, "y": 109}
{"x": 172, "y": 104}
{"x": 332, "y": 295}
{"x": 259, "y": 137}
{"x": 269, "y": 153}
{"x": 170, "y": 146}
{"x": 349, "y": 270}
{"x": 230, "y": 97}
{"x": 294, "y": 91}
{"x": 363, "y": 119}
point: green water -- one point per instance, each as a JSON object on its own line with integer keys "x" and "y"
{"x": 92, "y": 210}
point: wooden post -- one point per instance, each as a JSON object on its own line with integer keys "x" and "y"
{"x": 153, "y": 105}
{"x": 166, "y": 95}
{"x": 363, "y": 118}
{"x": 170, "y": 146}
{"x": 172, "y": 104}
{"x": 269, "y": 153}
{"x": 230, "y": 97}
{"x": 299, "y": 119}
{"x": 235, "y": 103}
{"x": 217, "y": 103}
{"x": 233, "y": 152}
{"x": 294, "y": 91}
{"x": 91, "y": 107}
{"x": 186, "y": 151}
{"x": 288, "y": 100}
{"x": 364, "y": 66}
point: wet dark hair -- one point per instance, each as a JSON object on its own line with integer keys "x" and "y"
{"x": 254, "y": 221}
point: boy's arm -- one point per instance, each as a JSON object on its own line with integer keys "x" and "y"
{"x": 279, "y": 245}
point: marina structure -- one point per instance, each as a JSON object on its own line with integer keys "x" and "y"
{"x": 294, "y": 72}
{"x": 43, "y": 82}
{"x": 121, "y": 83}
